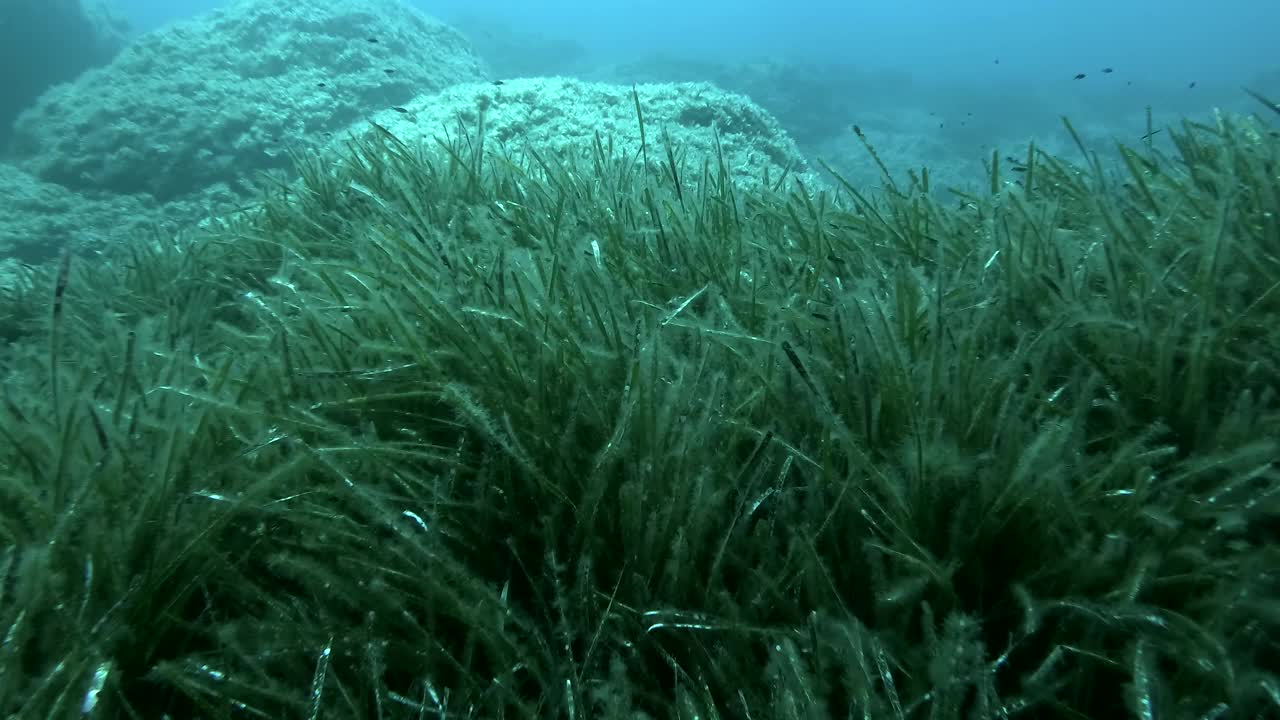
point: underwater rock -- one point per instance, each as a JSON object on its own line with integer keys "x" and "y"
{"x": 563, "y": 115}
{"x": 228, "y": 95}
{"x": 46, "y": 42}
{"x": 38, "y": 219}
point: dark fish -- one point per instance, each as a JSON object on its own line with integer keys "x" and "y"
{"x": 1107, "y": 70}
{"x": 1079, "y": 76}
{"x": 1015, "y": 164}
{"x": 320, "y": 85}
{"x": 1193, "y": 84}
{"x": 497, "y": 82}
{"x": 373, "y": 40}
{"x": 390, "y": 71}
{"x": 997, "y": 61}
{"x": 402, "y": 111}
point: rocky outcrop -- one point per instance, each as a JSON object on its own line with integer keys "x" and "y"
{"x": 46, "y": 42}
{"x": 562, "y": 117}
{"x": 226, "y": 96}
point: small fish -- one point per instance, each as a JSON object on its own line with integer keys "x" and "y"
{"x": 320, "y": 85}
{"x": 1192, "y": 85}
{"x": 1015, "y": 164}
{"x": 497, "y": 82}
{"x": 372, "y": 40}
{"x": 1079, "y": 76}
{"x": 390, "y": 71}
{"x": 997, "y": 61}
{"x": 401, "y": 110}
{"x": 1107, "y": 70}
{"x": 1149, "y": 135}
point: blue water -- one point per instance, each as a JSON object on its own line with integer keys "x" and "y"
{"x": 1170, "y": 42}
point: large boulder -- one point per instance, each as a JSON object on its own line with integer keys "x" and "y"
{"x": 39, "y": 219}
{"x": 561, "y": 117}
{"x": 220, "y": 98}
{"x": 46, "y": 42}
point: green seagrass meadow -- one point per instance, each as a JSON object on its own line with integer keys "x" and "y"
{"x": 440, "y": 431}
